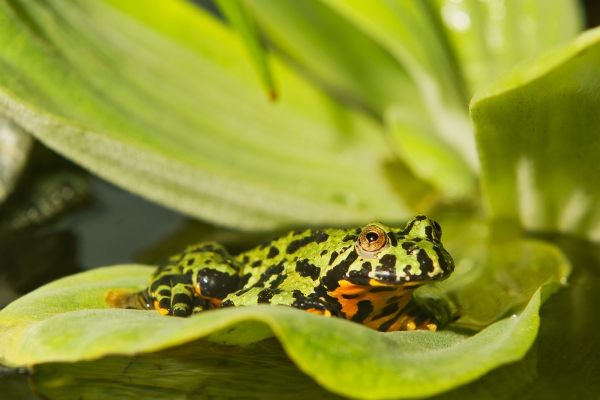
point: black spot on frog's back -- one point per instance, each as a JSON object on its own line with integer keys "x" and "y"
{"x": 172, "y": 280}
{"x": 273, "y": 251}
{"x": 265, "y": 296}
{"x": 277, "y": 281}
{"x": 333, "y": 257}
{"x": 317, "y": 237}
{"x": 269, "y": 272}
{"x": 306, "y": 269}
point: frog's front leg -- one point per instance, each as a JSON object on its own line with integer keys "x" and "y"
{"x": 171, "y": 292}
{"x": 195, "y": 280}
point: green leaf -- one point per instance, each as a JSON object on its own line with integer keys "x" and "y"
{"x": 365, "y": 73}
{"x": 490, "y": 37}
{"x": 162, "y": 100}
{"x": 411, "y": 33}
{"x": 14, "y": 153}
{"x": 238, "y": 17}
{"x": 497, "y": 271}
{"x": 429, "y": 158}
{"x": 310, "y": 33}
{"x": 69, "y": 321}
{"x": 197, "y": 370}
{"x": 537, "y": 130}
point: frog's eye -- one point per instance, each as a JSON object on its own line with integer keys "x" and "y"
{"x": 372, "y": 240}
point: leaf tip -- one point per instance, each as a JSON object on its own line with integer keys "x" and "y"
{"x": 273, "y": 96}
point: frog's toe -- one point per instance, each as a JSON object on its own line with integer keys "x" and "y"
{"x": 182, "y": 305}
{"x": 199, "y": 304}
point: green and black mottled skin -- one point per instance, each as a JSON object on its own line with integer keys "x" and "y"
{"x": 366, "y": 275}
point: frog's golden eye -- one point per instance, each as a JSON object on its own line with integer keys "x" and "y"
{"x": 372, "y": 239}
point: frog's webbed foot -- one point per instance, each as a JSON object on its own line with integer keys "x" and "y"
{"x": 417, "y": 318}
{"x": 425, "y": 314}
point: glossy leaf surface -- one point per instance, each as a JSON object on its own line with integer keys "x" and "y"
{"x": 537, "y": 130}
{"x": 164, "y": 101}
{"x": 490, "y": 37}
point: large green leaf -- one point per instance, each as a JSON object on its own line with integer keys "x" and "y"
{"x": 69, "y": 321}
{"x": 14, "y": 151}
{"x": 497, "y": 271}
{"x": 310, "y": 33}
{"x": 238, "y": 17}
{"x": 411, "y": 33}
{"x": 489, "y": 37}
{"x": 163, "y": 100}
{"x": 195, "y": 371}
{"x": 537, "y": 130}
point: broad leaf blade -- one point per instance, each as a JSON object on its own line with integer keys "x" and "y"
{"x": 411, "y": 34}
{"x": 194, "y": 371}
{"x": 176, "y": 113}
{"x": 497, "y": 270}
{"x": 14, "y": 153}
{"x": 318, "y": 39}
{"x": 537, "y": 130}
{"x": 490, "y": 37}
{"x": 365, "y": 73}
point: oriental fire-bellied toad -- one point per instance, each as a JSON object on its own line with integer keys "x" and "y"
{"x": 366, "y": 275}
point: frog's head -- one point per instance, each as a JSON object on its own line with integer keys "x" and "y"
{"x": 410, "y": 256}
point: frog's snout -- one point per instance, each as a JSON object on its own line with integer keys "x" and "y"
{"x": 422, "y": 264}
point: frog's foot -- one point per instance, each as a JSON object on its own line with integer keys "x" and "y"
{"x": 176, "y": 297}
{"x": 419, "y": 322}
{"x": 413, "y": 317}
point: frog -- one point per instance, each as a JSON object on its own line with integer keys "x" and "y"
{"x": 366, "y": 275}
